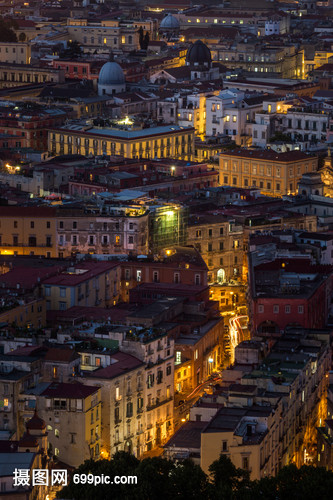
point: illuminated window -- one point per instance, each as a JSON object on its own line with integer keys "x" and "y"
{"x": 6, "y": 402}
{"x": 228, "y": 118}
{"x": 178, "y": 357}
{"x": 104, "y": 40}
{"x": 123, "y": 39}
{"x": 190, "y": 116}
{"x": 117, "y": 239}
{"x": 269, "y": 108}
{"x": 118, "y": 393}
{"x": 234, "y": 118}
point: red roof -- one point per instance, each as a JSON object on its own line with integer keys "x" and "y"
{"x": 125, "y": 363}
{"x": 61, "y": 355}
{"x": 91, "y": 269}
{"x": 12, "y": 211}
{"x": 27, "y": 277}
{"x": 70, "y": 391}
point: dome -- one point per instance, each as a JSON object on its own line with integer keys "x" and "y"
{"x": 169, "y": 22}
{"x": 198, "y": 53}
{"x": 111, "y": 74}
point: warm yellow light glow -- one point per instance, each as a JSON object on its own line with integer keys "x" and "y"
{"x": 6, "y": 252}
{"x": 168, "y": 252}
{"x": 183, "y": 419}
{"x": 169, "y": 213}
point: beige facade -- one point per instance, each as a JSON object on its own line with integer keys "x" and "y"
{"x": 220, "y": 243}
{"x": 73, "y": 421}
{"x": 89, "y": 285}
{"x": 275, "y": 174}
{"x": 60, "y": 233}
{"x": 15, "y": 53}
{"x": 104, "y": 38}
{"x": 286, "y": 61}
{"x": 14, "y": 74}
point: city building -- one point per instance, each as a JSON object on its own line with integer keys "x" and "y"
{"x": 275, "y": 174}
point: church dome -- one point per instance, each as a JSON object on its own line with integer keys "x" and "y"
{"x": 111, "y": 74}
{"x": 170, "y": 22}
{"x": 198, "y": 54}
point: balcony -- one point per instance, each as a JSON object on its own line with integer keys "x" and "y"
{"x": 158, "y": 402}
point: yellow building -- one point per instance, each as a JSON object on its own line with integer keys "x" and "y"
{"x": 220, "y": 243}
{"x": 72, "y": 412}
{"x": 31, "y": 314}
{"x": 15, "y": 75}
{"x": 275, "y": 174}
{"x": 89, "y": 284}
{"x": 28, "y": 231}
{"x": 169, "y": 141}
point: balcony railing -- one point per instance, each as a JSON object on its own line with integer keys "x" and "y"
{"x": 158, "y": 402}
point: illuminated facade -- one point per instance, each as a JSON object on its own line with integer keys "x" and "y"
{"x": 220, "y": 243}
{"x": 275, "y": 174}
{"x": 15, "y": 52}
{"x": 73, "y": 416}
{"x": 156, "y": 142}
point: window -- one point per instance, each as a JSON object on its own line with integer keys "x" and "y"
{"x": 138, "y": 275}
{"x": 74, "y": 225}
{"x": 261, "y": 308}
{"x": 300, "y": 309}
{"x": 56, "y": 433}
{"x": 176, "y": 278}
{"x": 129, "y": 410}
{"x": 197, "y": 279}
{"x": 198, "y": 233}
{"x": 287, "y": 309}
{"x": 276, "y": 309}
{"x": 224, "y": 445}
{"x": 234, "y": 118}
{"x": 178, "y": 357}
{"x": 48, "y": 224}
{"x": 221, "y": 245}
{"x": 228, "y": 118}
{"x": 245, "y": 463}
{"x": 210, "y": 247}
{"x": 117, "y": 239}
{"x": 155, "y": 277}
{"x": 62, "y": 306}
{"x": 168, "y": 370}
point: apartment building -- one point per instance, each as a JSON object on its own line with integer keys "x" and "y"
{"x": 220, "y": 243}
{"x": 285, "y": 61}
{"x": 287, "y": 291}
{"x": 275, "y": 174}
{"x": 122, "y": 379}
{"x": 230, "y": 113}
{"x": 88, "y": 284}
{"x": 160, "y": 142}
{"x": 15, "y": 52}
{"x": 14, "y": 75}
{"x": 269, "y": 419}
{"x": 72, "y": 412}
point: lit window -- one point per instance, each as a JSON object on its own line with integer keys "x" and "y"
{"x": 234, "y": 118}
{"x": 228, "y": 118}
{"x": 178, "y": 357}
{"x": 123, "y": 39}
{"x": 104, "y": 40}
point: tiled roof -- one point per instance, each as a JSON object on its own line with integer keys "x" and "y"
{"x": 70, "y": 391}
{"x": 61, "y": 355}
{"x": 92, "y": 269}
{"x": 124, "y": 364}
{"x": 268, "y": 155}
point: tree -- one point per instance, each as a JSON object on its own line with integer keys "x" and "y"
{"x": 72, "y": 51}
{"x": 227, "y": 480}
{"x": 22, "y": 37}
{"x": 141, "y": 37}
{"x": 146, "y": 41}
{"x": 7, "y": 34}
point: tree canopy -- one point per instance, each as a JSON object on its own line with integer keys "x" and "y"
{"x": 162, "y": 479}
{"x": 7, "y": 34}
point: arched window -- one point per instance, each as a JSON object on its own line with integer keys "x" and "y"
{"x": 221, "y": 276}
